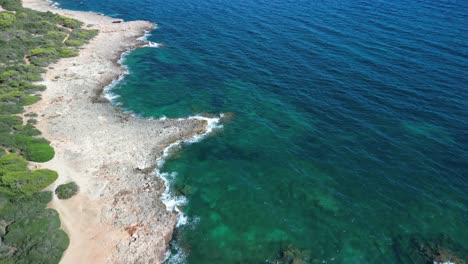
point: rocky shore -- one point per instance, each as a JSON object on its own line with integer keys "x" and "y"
{"x": 117, "y": 217}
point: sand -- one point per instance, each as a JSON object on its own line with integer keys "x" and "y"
{"x": 117, "y": 217}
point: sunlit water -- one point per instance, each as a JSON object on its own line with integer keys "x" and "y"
{"x": 346, "y": 128}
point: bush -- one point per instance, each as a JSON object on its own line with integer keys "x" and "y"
{"x": 67, "y": 53}
{"x": 17, "y": 207}
{"x": 6, "y": 19}
{"x": 29, "y": 100}
{"x": 42, "y": 52}
{"x": 37, "y": 238}
{"x": 11, "y": 5}
{"x": 17, "y": 179}
{"x": 34, "y": 37}
{"x": 38, "y": 150}
{"x": 68, "y": 22}
{"x": 66, "y": 191}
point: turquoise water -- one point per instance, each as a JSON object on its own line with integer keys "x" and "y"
{"x": 345, "y": 135}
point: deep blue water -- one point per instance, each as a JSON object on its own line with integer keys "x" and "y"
{"x": 347, "y": 134}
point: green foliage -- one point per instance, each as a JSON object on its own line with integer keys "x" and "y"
{"x": 16, "y": 178}
{"x": 13, "y": 208}
{"x": 32, "y": 121}
{"x": 56, "y": 35}
{"x": 6, "y": 19}
{"x": 66, "y": 53}
{"x": 42, "y": 52}
{"x": 11, "y": 5}
{"x": 22, "y": 138}
{"x": 66, "y": 191}
{"x": 30, "y": 99}
{"x": 10, "y": 95}
{"x": 35, "y": 149}
{"x": 79, "y": 37}
{"x": 37, "y": 239}
{"x": 32, "y": 230}
{"x": 68, "y": 22}
{"x": 29, "y": 40}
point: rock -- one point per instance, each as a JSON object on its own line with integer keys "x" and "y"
{"x": 415, "y": 248}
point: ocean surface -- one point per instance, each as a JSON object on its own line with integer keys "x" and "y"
{"x": 345, "y": 135}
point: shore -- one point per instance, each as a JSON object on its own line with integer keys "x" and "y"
{"x": 118, "y": 216}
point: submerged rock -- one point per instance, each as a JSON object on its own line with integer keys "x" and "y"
{"x": 434, "y": 250}
{"x": 291, "y": 255}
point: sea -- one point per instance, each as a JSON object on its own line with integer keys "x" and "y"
{"x": 344, "y": 136}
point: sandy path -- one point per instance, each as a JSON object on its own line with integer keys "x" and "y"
{"x": 117, "y": 217}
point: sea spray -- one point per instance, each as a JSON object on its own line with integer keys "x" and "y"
{"x": 171, "y": 201}
{"x": 318, "y": 138}
{"x": 54, "y": 4}
{"x": 174, "y": 202}
{"x": 107, "y": 91}
{"x": 150, "y": 44}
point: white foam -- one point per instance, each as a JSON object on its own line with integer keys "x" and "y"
{"x": 54, "y": 4}
{"x": 153, "y": 45}
{"x": 171, "y": 201}
{"x": 147, "y": 34}
{"x": 177, "y": 258}
{"x": 107, "y": 91}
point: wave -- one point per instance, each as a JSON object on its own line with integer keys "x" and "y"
{"x": 107, "y": 90}
{"x": 177, "y": 258}
{"x": 53, "y": 3}
{"x": 172, "y": 201}
{"x": 153, "y": 45}
{"x": 147, "y": 34}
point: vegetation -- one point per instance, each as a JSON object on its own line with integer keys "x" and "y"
{"x": 17, "y": 179}
{"x": 30, "y": 40}
{"x": 66, "y": 191}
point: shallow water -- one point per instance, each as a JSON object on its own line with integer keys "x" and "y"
{"x": 346, "y": 124}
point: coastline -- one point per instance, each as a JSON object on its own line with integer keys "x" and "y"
{"x": 118, "y": 216}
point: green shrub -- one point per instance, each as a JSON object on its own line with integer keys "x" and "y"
{"x": 17, "y": 207}
{"x": 6, "y": 19}
{"x": 26, "y": 182}
{"x": 27, "y": 130}
{"x": 56, "y": 35}
{"x": 68, "y": 22}
{"x": 34, "y": 37}
{"x": 66, "y": 53}
{"x": 17, "y": 179}
{"x": 11, "y": 5}
{"x": 42, "y": 52}
{"x": 37, "y": 150}
{"x": 10, "y": 95}
{"x": 31, "y": 114}
{"x": 74, "y": 42}
{"x": 38, "y": 238}
{"x": 32, "y": 121}
{"x": 29, "y": 99}
{"x": 8, "y": 121}
{"x": 66, "y": 191}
